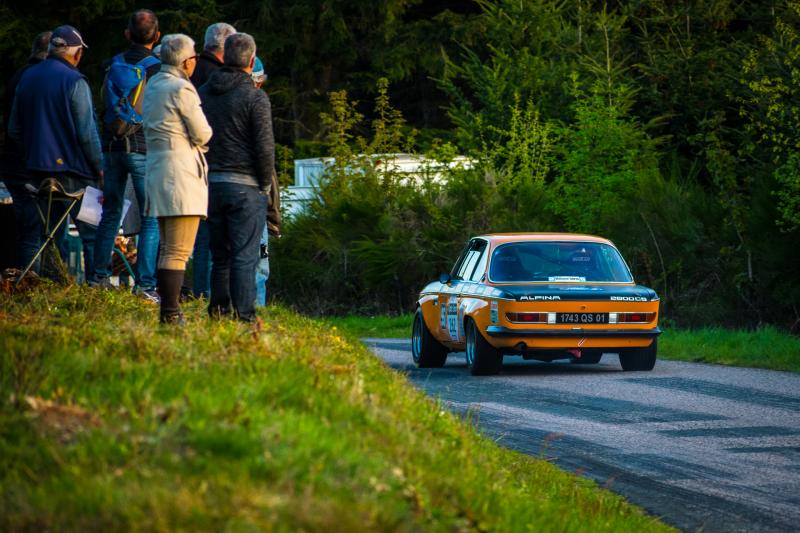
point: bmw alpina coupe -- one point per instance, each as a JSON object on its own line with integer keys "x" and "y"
{"x": 542, "y": 296}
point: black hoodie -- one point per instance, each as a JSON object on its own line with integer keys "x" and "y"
{"x": 242, "y": 145}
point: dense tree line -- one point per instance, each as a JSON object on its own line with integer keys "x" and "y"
{"x": 670, "y": 127}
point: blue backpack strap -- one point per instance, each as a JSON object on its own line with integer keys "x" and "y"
{"x": 148, "y": 62}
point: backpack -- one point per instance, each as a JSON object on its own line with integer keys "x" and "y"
{"x": 124, "y": 92}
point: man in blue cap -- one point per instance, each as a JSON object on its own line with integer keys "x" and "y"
{"x": 52, "y": 118}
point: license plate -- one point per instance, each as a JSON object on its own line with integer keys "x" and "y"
{"x": 582, "y": 318}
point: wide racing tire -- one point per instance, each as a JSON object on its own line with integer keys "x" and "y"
{"x": 426, "y": 351}
{"x": 483, "y": 359}
{"x": 639, "y": 359}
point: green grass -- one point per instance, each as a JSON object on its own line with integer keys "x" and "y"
{"x": 109, "y": 421}
{"x": 762, "y": 348}
{"x": 766, "y": 347}
{"x": 395, "y": 327}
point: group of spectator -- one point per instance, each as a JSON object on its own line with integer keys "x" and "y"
{"x": 193, "y": 132}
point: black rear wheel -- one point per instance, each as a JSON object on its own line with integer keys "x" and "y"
{"x": 426, "y": 351}
{"x": 639, "y": 359}
{"x": 483, "y": 359}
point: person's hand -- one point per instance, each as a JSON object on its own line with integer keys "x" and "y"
{"x": 100, "y": 179}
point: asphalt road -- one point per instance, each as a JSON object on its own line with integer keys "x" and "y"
{"x": 701, "y": 446}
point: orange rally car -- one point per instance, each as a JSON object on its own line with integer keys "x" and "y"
{"x": 543, "y": 296}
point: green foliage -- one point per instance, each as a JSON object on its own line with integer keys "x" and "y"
{"x": 771, "y": 72}
{"x": 517, "y": 59}
{"x": 788, "y": 175}
{"x": 604, "y": 157}
{"x": 123, "y": 424}
{"x": 340, "y": 123}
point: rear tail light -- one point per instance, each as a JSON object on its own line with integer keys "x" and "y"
{"x": 630, "y": 318}
{"x": 528, "y": 318}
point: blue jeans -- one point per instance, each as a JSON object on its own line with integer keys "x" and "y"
{"x": 117, "y": 166}
{"x": 262, "y": 272}
{"x": 236, "y": 217}
{"x": 201, "y": 262}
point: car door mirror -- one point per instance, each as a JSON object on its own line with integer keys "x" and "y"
{"x": 444, "y": 279}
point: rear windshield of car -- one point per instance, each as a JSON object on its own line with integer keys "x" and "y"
{"x": 558, "y": 262}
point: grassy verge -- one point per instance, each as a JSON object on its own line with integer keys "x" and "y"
{"x": 762, "y": 348}
{"x": 395, "y": 327}
{"x": 109, "y": 421}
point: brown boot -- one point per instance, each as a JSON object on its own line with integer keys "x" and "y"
{"x": 169, "y": 290}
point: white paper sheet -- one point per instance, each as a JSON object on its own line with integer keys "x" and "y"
{"x": 92, "y": 207}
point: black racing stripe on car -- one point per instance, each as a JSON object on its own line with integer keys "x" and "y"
{"x": 579, "y": 292}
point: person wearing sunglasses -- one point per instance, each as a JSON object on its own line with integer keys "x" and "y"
{"x": 177, "y": 135}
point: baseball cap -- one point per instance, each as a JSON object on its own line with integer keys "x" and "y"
{"x": 258, "y": 70}
{"x": 66, "y": 36}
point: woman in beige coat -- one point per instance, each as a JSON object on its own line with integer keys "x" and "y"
{"x": 177, "y": 135}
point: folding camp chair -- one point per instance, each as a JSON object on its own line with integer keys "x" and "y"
{"x": 51, "y": 190}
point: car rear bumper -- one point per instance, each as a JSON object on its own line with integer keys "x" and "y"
{"x": 502, "y": 331}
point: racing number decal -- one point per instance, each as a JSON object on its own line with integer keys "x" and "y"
{"x": 442, "y": 313}
{"x": 452, "y": 318}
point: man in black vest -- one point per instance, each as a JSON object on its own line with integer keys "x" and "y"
{"x": 26, "y": 217}
{"x": 52, "y": 118}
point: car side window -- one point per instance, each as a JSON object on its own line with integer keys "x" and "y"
{"x": 480, "y": 263}
{"x": 468, "y": 265}
{"x": 460, "y": 261}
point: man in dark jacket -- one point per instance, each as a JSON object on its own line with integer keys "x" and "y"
{"x": 241, "y": 160}
{"x": 52, "y": 117}
{"x": 127, "y": 154}
{"x": 208, "y": 62}
{"x": 211, "y": 58}
{"x": 26, "y": 218}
